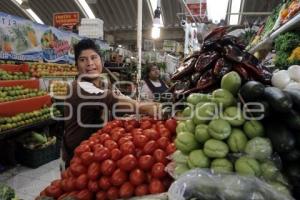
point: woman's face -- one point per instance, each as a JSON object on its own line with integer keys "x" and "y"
{"x": 154, "y": 73}
{"x": 89, "y": 63}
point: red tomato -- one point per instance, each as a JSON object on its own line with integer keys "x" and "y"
{"x": 146, "y": 162}
{"x": 124, "y": 139}
{"x": 101, "y": 195}
{"x": 93, "y": 186}
{"x": 56, "y": 183}
{"x": 104, "y": 137}
{"x": 119, "y": 123}
{"x": 73, "y": 194}
{"x": 146, "y": 124}
{"x": 97, "y": 146}
{"x": 148, "y": 177}
{"x": 94, "y": 171}
{"x": 81, "y": 149}
{"x": 163, "y": 142}
{"x": 158, "y": 170}
{"x": 108, "y": 167}
{"x": 171, "y": 148}
{"x": 141, "y": 190}
{"x": 138, "y": 153}
{"x": 129, "y": 127}
{"x": 77, "y": 169}
{"x": 116, "y": 154}
{"x": 159, "y": 127}
{"x": 160, "y": 156}
{"x": 156, "y": 186}
{"x": 116, "y": 134}
{"x": 171, "y": 125}
{"x": 53, "y": 191}
{"x": 81, "y": 182}
{"x": 136, "y": 131}
{"x": 69, "y": 173}
{"x": 107, "y": 128}
{"x": 63, "y": 185}
{"x": 128, "y": 162}
{"x": 140, "y": 140}
{"x": 110, "y": 144}
{"x": 43, "y": 193}
{"x": 137, "y": 177}
{"x": 71, "y": 184}
{"x": 112, "y": 193}
{"x": 84, "y": 195}
{"x": 118, "y": 177}
{"x": 104, "y": 183}
{"x": 164, "y": 132}
{"x": 152, "y": 134}
{"x": 126, "y": 190}
{"x": 64, "y": 174}
{"x": 101, "y": 154}
{"x": 127, "y": 148}
{"x": 150, "y": 147}
{"x": 87, "y": 158}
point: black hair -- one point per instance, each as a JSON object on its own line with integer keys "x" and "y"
{"x": 148, "y": 69}
{"x": 85, "y": 44}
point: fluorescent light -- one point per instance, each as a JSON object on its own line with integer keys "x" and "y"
{"x": 86, "y": 8}
{"x": 19, "y": 1}
{"x": 155, "y": 33}
{"x": 34, "y": 16}
{"x": 216, "y": 11}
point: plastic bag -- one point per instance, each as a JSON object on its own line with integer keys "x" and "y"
{"x": 202, "y": 184}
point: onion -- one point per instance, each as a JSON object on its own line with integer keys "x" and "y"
{"x": 281, "y": 79}
{"x": 294, "y": 72}
{"x": 293, "y": 85}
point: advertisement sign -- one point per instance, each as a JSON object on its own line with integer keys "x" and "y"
{"x": 66, "y": 20}
{"x": 198, "y": 8}
{"x": 22, "y": 39}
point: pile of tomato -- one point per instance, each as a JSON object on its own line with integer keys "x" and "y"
{"x": 124, "y": 159}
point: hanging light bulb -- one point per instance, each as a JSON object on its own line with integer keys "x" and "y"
{"x": 155, "y": 34}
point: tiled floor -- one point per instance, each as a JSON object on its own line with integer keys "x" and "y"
{"x": 28, "y": 183}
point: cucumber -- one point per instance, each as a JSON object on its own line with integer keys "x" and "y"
{"x": 282, "y": 139}
{"x": 292, "y": 120}
{"x": 295, "y": 95}
{"x": 278, "y": 101}
{"x": 252, "y": 90}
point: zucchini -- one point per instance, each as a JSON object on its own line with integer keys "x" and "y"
{"x": 278, "y": 100}
{"x": 282, "y": 139}
{"x": 252, "y": 90}
{"x": 295, "y": 95}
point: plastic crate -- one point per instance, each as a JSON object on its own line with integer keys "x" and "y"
{"x": 37, "y": 157}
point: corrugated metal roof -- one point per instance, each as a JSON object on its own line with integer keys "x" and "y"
{"x": 9, "y": 7}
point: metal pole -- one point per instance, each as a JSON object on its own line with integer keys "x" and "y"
{"x": 241, "y": 11}
{"x": 139, "y": 46}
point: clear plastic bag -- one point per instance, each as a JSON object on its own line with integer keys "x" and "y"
{"x": 203, "y": 185}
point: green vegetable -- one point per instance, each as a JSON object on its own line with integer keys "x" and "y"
{"x": 287, "y": 42}
{"x": 6, "y": 192}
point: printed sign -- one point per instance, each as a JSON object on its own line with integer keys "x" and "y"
{"x": 66, "y": 20}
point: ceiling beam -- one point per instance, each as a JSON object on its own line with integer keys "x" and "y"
{"x": 128, "y": 16}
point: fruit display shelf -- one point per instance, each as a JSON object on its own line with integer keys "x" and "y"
{"x": 12, "y": 108}
{"x": 19, "y": 130}
{"x": 15, "y": 68}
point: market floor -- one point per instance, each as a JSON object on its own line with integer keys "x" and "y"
{"x": 27, "y": 182}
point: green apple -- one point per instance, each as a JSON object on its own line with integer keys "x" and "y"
{"x": 181, "y": 168}
{"x": 179, "y": 157}
{"x": 201, "y": 133}
{"x": 269, "y": 170}
{"x": 234, "y": 116}
{"x": 223, "y": 97}
{"x": 219, "y": 129}
{"x": 205, "y": 113}
{"x": 215, "y": 149}
{"x": 253, "y": 129}
{"x": 197, "y": 97}
{"x": 247, "y": 166}
{"x": 197, "y": 159}
{"x": 187, "y": 112}
{"x": 231, "y": 82}
{"x": 237, "y": 141}
{"x": 221, "y": 165}
{"x": 186, "y": 142}
{"x": 259, "y": 148}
